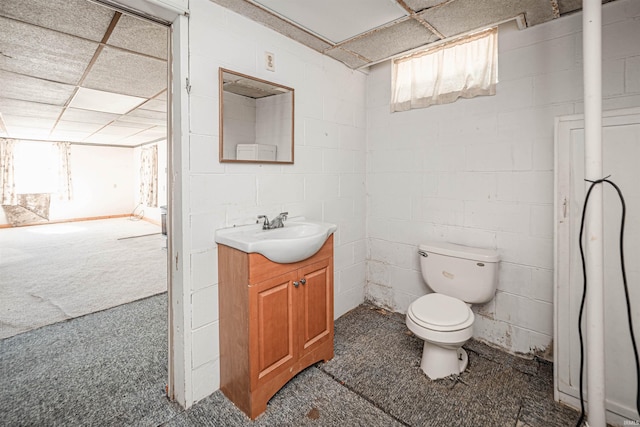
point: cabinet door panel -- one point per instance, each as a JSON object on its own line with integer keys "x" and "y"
{"x": 272, "y": 326}
{"x": 316, "y": 303}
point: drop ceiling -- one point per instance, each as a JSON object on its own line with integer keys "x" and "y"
{"x": 72, "y": 70}
{"x": 360, "y": 33}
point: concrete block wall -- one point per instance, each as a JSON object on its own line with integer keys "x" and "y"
{"x": 327, "y": 181}
{"x": 479, "y": 172}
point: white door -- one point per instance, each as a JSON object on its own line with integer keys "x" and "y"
{"x": 621, "y": 160}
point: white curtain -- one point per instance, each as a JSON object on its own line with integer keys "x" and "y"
{"x": 464, "y": 68}
{"x": 7, "y": 174}
{"x": 149, "y": 176}
{"x": 65, "y": 187}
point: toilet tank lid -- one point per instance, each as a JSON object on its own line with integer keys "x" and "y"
{"x": 460, "y": 251}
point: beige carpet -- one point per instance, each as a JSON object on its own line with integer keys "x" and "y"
{"x": 50, "y": 273}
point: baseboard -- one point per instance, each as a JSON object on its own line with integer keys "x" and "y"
{"x": 59, "y": 221}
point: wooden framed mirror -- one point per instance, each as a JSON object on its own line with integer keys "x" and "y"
{"x": 256, "y": 119}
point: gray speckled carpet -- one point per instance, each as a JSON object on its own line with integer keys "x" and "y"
{"x": 109, "y": 369}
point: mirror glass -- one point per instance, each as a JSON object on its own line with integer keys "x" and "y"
{"x": 256, "y": 119}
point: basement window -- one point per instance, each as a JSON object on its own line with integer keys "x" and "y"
{"x": 463, "y": 68}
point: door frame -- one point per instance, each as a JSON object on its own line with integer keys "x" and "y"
{"x": 174, "y": 14}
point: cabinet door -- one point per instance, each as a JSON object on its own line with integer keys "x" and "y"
{"x": 273, "y": 341}
{"x": 315, "y": 307}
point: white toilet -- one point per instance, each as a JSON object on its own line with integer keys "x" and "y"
{"x": 459, "y": 276}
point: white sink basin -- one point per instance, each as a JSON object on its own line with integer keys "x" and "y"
{"x": 297, "y": 240}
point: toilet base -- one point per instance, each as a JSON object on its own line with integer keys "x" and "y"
{"x": 441, "y": 362}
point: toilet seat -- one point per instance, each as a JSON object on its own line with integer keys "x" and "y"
{"x": 440, "y": 312}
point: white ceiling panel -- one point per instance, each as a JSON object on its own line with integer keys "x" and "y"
{"x": 43, "y": 53}
{"x": 53, "y": 68}
{"x": 27, "y": 108}
{"x": 337, "y": 20}
{"x": 69, "y": 135}
{"x": 395, "y": 38}
{"x": 106, "y": 102}
{"x": 25, "y": 88}
{"x": 155, "y": 105}
{"x": 154, "y": 134}
{"x": 137, "y": 125}
{"x": 77, "y": 17}
{"x": 143, "y": 120}
{"x": 77, "y": 115}
{"x": 28, "y": 132}
{"x": 119, "y": 71}
{"x": 22, "y": 121}
{"x": 97, "y": 138}
{"x": 118, "y": 131}
{"x": 139, "y": 36}
{"x": 82, "y": 127}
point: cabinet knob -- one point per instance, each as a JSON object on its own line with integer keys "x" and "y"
{"x": 296, "y": 284}
{"x": 303, "y": 281}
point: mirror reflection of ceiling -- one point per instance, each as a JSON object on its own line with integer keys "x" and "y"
{"x": 72, "y": 70}
{"x": 248, "y": 87}
{"x": 360, "y": 33}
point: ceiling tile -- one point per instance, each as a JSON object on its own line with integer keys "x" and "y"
{"x": 26, "y": 88}
{"x": 148, "y": 114}
{"x": 349, "y": 59}
{"x": 337, "y": 20}
{"x": 96, "y": 117}
{"x": 149, "y": 135}
{"x": 36, "y": 51}
{"x": 140, "y": 36}
{"x": 391, "y": 40}
{"x": 568, "y": 6}
{"x": 82, "y": 127}
{"x": 142, "y": 120}
{"x": 68, "y": 135}
{"x": 77, "y": 17}
{"x": 162, "y": 96}
{"x": 33, "y": 109}
{"x": 106, "y": 102}
{"x": 418, "y": 5}
{"x": 141, "y": 126}
{"x": 25, "y": 121}
{"x": 155, "y": 105}
{"x": 119, "y": 131}
{"x": 97, "y": 138}
{"x": 28, "y": 132}
{"x": 462, "y": 16}
{"x": 274, "y": 22}
{"x": 118, "y": 71}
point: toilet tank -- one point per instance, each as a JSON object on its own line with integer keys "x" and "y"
{"x": 469, "y": 274}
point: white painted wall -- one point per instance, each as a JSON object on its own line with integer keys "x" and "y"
{"x": 325, "y": 183}
{"x": 239, "y": 122}
{"x": 273, "y": 124}
{"x": 103, "y": 182}
{"x": 479, "y": 172}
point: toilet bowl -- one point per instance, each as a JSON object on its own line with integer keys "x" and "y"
{"x": 459, "y": 276}
{"x": 445, "y": 324}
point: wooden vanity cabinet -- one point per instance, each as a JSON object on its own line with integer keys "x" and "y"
{"x": 275, "y": 320}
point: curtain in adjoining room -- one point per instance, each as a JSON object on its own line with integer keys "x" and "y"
{"x": 7, "y": 174}
{"x": 149, "y": 176}
{"x": 463, "y": 68}
{"x": 65, "y": 187}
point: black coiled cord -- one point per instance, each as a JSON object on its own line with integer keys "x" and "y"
{"x": 626, "y": 293}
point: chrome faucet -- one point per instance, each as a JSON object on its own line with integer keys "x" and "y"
{"x": 277, "y": 222}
